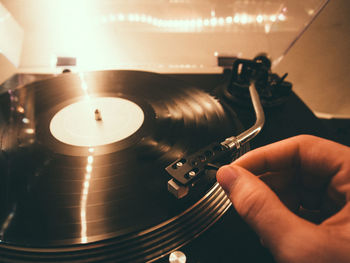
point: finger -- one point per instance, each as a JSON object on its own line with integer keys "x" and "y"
{"x": 258, "y": 205}
{"x": 284, "y": 185}
{"x": 286, "y": 190}
{"x": 340, "y": 220}
{"x": 313, "y": 159}
{"x": 274, "y": 157}
{"x": 280, "y": 181}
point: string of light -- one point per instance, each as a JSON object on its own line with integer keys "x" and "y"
{"x": 239, "y": 19}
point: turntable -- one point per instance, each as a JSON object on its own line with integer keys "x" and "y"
{"x": 115, "y": 159}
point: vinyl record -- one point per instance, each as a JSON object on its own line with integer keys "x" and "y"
{"x": 84, "y": 166}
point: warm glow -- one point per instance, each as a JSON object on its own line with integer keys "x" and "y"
{"x": 29, "y": 131}
{"x": 169, "y": 36}
{"x": 281, "y": 17}
{"x": 85, "y": 89}
{"x": 244, "y": 19}
{"x": 25, "y": 120}
{"x": 192, "y": 23}
{"x": 76, "y": 33}
{"x": 7, "y": 222}
{"x": 259, "y": 19}
{"x": 90, "y": 159}
{"x": 273, "y": 18}
{"x": 84, "y": 197}
{"x": 89, "y": 168}
{"x": 229, "y": 20}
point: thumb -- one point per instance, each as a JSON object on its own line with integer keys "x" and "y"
{"x": 258, "y": 205}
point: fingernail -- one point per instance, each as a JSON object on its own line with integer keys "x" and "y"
{"x": 226, "y": 176}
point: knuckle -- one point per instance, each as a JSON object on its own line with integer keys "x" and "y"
{"x": 306, "y": 138}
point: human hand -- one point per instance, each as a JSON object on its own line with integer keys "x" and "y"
{"x": 305, "y": 173}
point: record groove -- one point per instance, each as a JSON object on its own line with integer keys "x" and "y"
{"x": 71, "y": 203}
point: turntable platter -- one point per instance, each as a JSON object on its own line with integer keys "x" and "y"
{"x": 70, "y": 187}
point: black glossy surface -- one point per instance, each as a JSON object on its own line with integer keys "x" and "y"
{"x": 50, "y": 200}
{"x": 230, "y": 239}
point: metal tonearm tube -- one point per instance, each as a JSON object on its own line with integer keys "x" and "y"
{"x": 235, "y": 142}
{"x": 186, "y": 169}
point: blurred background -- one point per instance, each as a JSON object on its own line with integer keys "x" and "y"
{"x": 319, "y": 62}
{"x": 319, "y": 68}
{"x": 188, "y": 36}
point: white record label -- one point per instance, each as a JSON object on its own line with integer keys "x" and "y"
{"x": 96, "y": 121}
